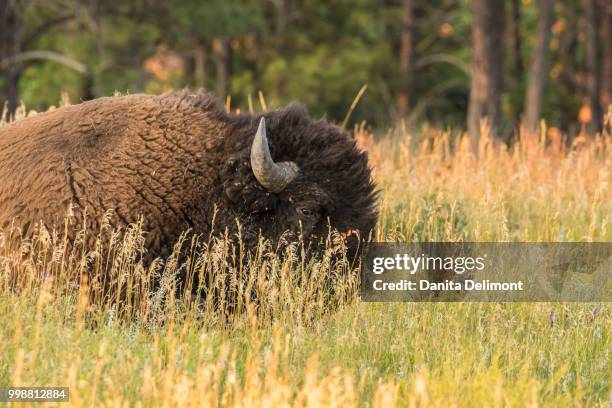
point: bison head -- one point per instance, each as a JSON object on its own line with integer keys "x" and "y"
{"x": 291, "y": 177}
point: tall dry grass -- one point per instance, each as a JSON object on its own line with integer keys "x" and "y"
{"x": 435, "y": 188}
{"x": 284, "y": 332}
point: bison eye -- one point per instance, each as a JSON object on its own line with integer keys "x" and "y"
{"x": 306, "y": 212}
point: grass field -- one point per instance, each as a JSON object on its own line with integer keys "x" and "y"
{"x": 308, "y": 341}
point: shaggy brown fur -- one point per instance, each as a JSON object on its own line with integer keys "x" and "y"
{"x": 171, "y": 159}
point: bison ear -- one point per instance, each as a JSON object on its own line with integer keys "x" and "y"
{"x": 272, "y": 176}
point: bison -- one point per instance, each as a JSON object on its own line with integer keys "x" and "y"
{"x": 181, "y": 162}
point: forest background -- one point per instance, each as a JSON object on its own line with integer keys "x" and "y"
{"x": 450, "y": 63}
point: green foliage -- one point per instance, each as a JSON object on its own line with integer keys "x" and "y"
{"x": 213, "y": 18}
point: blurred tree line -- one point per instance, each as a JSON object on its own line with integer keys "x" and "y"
{"x": 449, "y": 62}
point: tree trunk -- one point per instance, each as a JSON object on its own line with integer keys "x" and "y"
{"x": 606, "y": 35}
{"x": 223, "y": 62}
{"x": 517, "y": 44}
{"x": 594, "y": 51}
{"x": 282, "y": 20}
{"x": 567, "y": 84}
{"x": 9, "y": 47}
{"x": 406, "y": 59}
{"x": 12, "y": 77}
{"x": 537, "y": 70}
{"x": 486, "y": 67}
{"x": 87, "y": 87}
{"x": 200, "y": 71}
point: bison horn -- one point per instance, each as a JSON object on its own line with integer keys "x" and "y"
{"x": 273, "y": 176}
